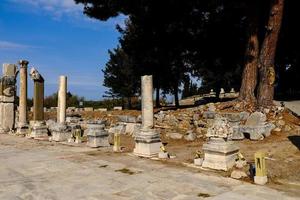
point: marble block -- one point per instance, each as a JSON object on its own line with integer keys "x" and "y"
{"x": 219, "y": 154}
{"x": 97, "y": 136}
{"x": 38, "y": 130}
{"x": 147, "y": 143}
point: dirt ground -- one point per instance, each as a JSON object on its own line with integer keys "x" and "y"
{"x": 282, "y": 149}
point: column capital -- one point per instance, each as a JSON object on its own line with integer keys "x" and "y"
{"x": 23, "y": 63}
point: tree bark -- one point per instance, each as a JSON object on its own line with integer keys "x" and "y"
{"x": 249, "y": 78}
{"x": 176, "y": 96}
{"x": 267, "y": 55}
{"x": 157, "y": 102}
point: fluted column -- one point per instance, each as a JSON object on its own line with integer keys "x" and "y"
{"x": 23, "y": 93}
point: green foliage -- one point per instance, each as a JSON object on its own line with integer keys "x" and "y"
{"x": 206, "y": 38}
{"x": 120, "y": 76}
{"x": 72, "y": 100}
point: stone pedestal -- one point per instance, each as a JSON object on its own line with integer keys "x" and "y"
{"x": 147, "y": 141}
{"x": 219, "y": 154}
{"x": 39, "y": 130}
{"x": 96, "y": 135}
{"x": 60, "y": 132}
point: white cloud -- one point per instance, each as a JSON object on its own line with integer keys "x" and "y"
{"x": 11, "y": 45}
{"x": 56, "y": 8}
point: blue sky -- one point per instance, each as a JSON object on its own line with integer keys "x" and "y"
{"x": 57, "y": 39}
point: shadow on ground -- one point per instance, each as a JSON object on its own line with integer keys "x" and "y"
{"x": 295, "y": 139}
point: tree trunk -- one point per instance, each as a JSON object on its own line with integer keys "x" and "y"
{"x": 267, "y": 55}
{"x": 157, "y": 102}
{"x": 176, "y": 96}
{"x": 129, "y": 104}
{"x": 249, "y": 78}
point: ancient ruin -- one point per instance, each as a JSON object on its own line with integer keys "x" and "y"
{"x": 61, "y": 132}
{"x": 7, "y": 98}
{"x": 147, "y": 141}
{"x": 23, "y": 125}
{"x": 220, "y": 152}
{"x": 39, "y": 129}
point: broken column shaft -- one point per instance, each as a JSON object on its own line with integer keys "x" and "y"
{"x": 62, "y": 100}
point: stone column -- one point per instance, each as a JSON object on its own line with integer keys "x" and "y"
{"x": 23, "y": 123}
{"x": 147, "y": 141}
{"x": 147, "y": 102}
{"x": 7, "y": 98}
{"x": 39, "y": 128}
{"x": 38, "y": 100}
{"x": 62, "y": 100}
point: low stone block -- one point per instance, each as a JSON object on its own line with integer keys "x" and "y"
{"x": 39, "y": 130}
{"x": 96, "y": 135}
{"x": 147, "y": 143}
{"x": 219, "y": 154}
{"x": 118, "y": 108}
{"x": 60, "y": 132}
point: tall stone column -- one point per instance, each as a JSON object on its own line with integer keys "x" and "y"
{"x": 39, "y": 128}
{"x": 61, "y": 132}
{"x": 7, "y": 98}
{"x": 23, "y": 123}
{"x": 147, "y": 141}
{"x": 62, "y": 100}
{"x": 147, "y": 102}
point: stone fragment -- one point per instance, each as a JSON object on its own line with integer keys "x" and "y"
{"x": 175, "y": 136}
{"x": 280, "y": 123}
{"x": 163, "y": 155}
{"x": 220, "y": 128}
{"x": 198, "y": 161}
{"x": 238, "y": 174}
{"x": 287, "y": 128}
{"x": 240, "y": 163}
{"x": 256, "y": 118}
{"x": 118, "y": 108}
{"x": 209, "y": 115}
{"x": 190, "y": 136}
{"x": 127, "y": 118}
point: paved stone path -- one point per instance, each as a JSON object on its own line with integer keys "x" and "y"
{"x": 41, "y": 170}
{"x": 294, "y": 106}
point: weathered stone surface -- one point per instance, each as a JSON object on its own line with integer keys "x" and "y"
{"x": 62, "y": 100}
{"x": 61, "y": 132}
{"x": 118, "y": 108}
{"x": 175, "y": 136}
{"x": 209, "y": 115}
{"x": 219, "y": 154}
{"x": 88, "y": 109}
{"x": 220, "y": 129}
{"x": 238, "y": 174}
{"x": 38, "y": 130}
{"x": 190, "y": 136}
{"x": 257, "y": 132}
{"x": 147, "y": 141}
{"x": 127, "y": 118}
{"x": 255, "y": 119}
{"x": 97, "y": 135}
